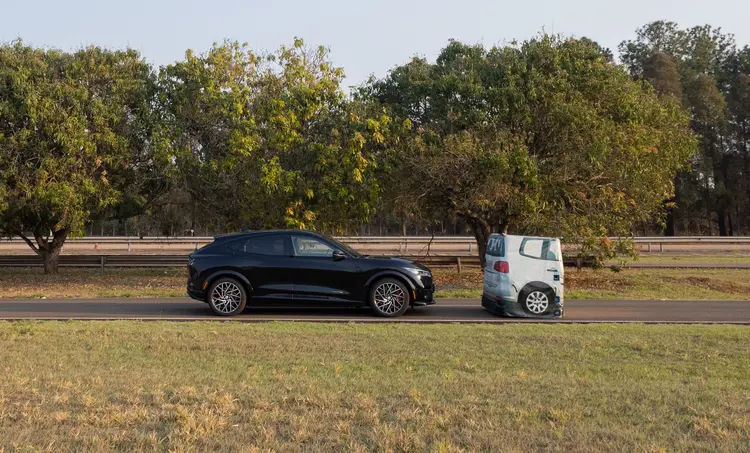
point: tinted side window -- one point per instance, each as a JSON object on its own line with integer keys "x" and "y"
{"x": 238, "y": 246}
{"x": 266, "y": 245}
{"x": 496, "y": 246}
{"x": 309, "y": 246}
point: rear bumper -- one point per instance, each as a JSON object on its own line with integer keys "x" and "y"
{"x": 507, "y": 306}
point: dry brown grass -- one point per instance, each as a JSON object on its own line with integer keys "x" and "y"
{"x": 130, "y": 386}
{"x": 706, "y": 284}
{"x": 88, "y": 283}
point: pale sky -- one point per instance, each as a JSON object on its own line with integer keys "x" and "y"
{"x": 364, "y": 37}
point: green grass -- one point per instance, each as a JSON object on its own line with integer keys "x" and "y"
{"x": 650, "y": 284}
{"x": 128, "y": 386}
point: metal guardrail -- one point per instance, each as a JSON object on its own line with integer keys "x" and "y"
{"x": 408, "y": 245}
{"x": 383, "y": 239}
{"x": 115, "y": 261}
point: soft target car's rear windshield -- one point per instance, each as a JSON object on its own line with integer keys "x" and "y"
{"x": 496, "y": 246}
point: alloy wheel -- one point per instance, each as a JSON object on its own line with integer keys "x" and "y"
{"x": 389, "y": 298}
{"x": 226, "y": 297}
{"x": 537, "y": 302}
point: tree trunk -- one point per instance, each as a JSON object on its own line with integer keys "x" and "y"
{"x": 51, "y": 260}
{"x": 482, "y": 231}
{"x": 670, "y": 226}
{"x": 731, "y": 224}
{"x": 48, "y": 250}
{"x": 669, "y": 230}
{"x": 722, "y": 222}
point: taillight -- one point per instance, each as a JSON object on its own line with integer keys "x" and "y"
{"x": 502, "y": 267}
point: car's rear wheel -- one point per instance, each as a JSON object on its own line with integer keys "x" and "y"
{"x": 227, "y": 297}
{"x": 389, "y": 297}
{"x": 536, "y": 301}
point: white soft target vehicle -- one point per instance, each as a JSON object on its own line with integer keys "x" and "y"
{"x": 523, "y": 276}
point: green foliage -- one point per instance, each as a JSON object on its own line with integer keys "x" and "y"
{"x": 710, "y": 70}
{"x": 546, "y": 137}
{"x": 271, "y": 141}
{"x": 68, "y": 122}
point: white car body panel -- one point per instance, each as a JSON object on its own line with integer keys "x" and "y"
{"x": 530, "y": 260}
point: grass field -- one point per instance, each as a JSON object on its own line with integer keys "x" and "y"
{"x": 128, "y": 386}
{"x": 647, "y": 284}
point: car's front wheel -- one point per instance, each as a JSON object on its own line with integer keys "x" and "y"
{"x": 227, "y": 297}
{"x": 389, "y": 297}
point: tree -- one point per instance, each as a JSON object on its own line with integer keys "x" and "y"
{"x": 546, "y": 137}
{"x": 702, "y": 55}
{"x": 660, "y": 70}
{"x": 271, "y": 141}
{"x": 68, "y": 122}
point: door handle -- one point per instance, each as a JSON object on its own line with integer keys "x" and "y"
{"x": 552, "y": 270}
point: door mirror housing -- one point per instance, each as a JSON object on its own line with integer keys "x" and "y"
{"x": 338, "y": 255}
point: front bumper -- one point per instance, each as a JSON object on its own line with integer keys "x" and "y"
{"x": 196, "y": 294}
{"x": 507, "y": 306}
{"x": 423, "y": 296}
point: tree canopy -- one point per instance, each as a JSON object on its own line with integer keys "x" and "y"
{"x": 544, "y": 137}
{"x": 68, "y": 122}
{"x": 265, "y": 141}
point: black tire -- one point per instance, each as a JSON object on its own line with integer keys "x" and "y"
{"x": 384, "y": 297}
{"x": 537, "y": 300}
{"x": 230, "y": 306}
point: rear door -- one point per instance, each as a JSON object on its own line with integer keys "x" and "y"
{"x": 268, "y": 264}
{"x": 496, "y": 282}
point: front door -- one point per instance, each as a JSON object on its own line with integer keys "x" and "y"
{"x": 319, "y": 276}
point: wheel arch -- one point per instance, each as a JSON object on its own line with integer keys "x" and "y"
{"x": 535, "y": 285}
{"x": 390, "y": 274}
{"x": 230, "y": 274}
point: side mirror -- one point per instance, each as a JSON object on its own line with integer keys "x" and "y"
{"x": 338, "y": 255}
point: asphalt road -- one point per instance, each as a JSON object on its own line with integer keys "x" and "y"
{"x": 446, "y": 310}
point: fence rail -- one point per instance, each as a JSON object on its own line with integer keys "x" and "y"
{"x": 451, "y": 246}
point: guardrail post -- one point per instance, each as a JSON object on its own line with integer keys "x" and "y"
{"x": 649, "y": 247}
{"x": 661, "y": 247}
{"x": 458, "y": 263}
{"x": 196, "y": 246}
{"x": 102, "y": 262}
{"x": 128, "y": 246}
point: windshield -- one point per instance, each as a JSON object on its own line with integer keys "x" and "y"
{"x": 344, "y": 247}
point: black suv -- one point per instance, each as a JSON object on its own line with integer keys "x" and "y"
{"x": 279, "y": 267}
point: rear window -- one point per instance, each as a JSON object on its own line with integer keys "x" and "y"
{"x": 265, "y": 245}
{"x": 496, "y": 246}
{"x": 268, "y": 245}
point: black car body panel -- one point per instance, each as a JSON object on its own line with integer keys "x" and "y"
{"x": 300, "y": 267}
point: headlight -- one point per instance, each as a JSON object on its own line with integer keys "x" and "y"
{"x": 418, "y": 272}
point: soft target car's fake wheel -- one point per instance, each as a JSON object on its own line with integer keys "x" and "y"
{"x": 227, "y": 297}
{"x": 389, "y": 297}
{"x": 537, "y": 302}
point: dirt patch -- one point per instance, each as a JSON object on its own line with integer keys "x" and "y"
{"x": 587, "y": 280}
{"x": 450, "y": 279}
{"x": 724, "y": 286}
